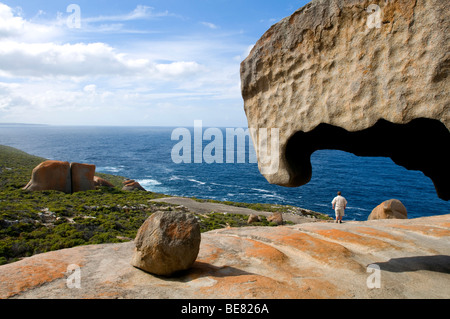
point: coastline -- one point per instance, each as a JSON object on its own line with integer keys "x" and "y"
{"x": 42, "y": 221}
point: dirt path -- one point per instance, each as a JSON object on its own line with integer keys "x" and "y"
{"x": 206, "y": 207}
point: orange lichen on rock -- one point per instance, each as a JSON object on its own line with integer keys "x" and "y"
{"x": 264, "y": 252}
{"x": 324, "y": 251}
{"x": 313, "y": 260}
{"x": 82, "y": 177}
{"x": 51, "y": 175}
{"x": 35, "y": 271}
{"x": 379, "y": 234}
{"x": 209, "y": 253}
{"x": 425, "y": 230}
{"x": 252, "y": 286}
{"x": 351, "y": 238}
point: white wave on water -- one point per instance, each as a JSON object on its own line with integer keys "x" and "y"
{"x": 109, "y": 169}
{"x": 224, "y": 185}
{"x": 227, "y": 185}
{"x": 196, "y": 181}
{"x": 359, "y": 208}
{"x": 272, "y": 196}
{"x": 148, "y": 183}
{"x": 261, "y": 190}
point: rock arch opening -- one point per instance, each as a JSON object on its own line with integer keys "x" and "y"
{"x": 422, "y": 145}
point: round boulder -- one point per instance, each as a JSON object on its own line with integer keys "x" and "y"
{"x": 167, "y": 242}
{"x": 389, "y": 209}
{"x": 253, "y": 219}
{"x": 276, "y": 218}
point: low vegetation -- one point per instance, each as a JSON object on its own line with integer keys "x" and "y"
{"x": 271, "y": 208}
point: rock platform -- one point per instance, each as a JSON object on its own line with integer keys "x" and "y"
{"x": 309, "y": 260}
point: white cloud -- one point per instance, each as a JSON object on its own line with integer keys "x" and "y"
{"x": 178, "y": 68}
{"x": 82, "y": 60}
{"x": 44, "y": 77}
{"x": 90, "y": 88}
{"x": 210, "y": 25}
{"x": 140, "y": 12}
{"x": 9, "y": 24}
{"x": 12, "y": 25}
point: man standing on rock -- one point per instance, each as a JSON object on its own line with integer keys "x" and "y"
{"x": 339, "y": 204}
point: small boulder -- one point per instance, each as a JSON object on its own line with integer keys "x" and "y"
{"x": 132, "y": 185}
{"x": 253, "y": 219}
{"x": 51, "y": 175}
{"x": 82, "y": 177}
{"x": 276, "y": 218}
{"x": 128, "y": 181}
{"x": 167, "y": 242}
{"x": 389, "y": 209}
{"x": 99, "y": 182}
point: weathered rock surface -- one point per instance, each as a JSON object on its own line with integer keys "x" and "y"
{"x": 82, "y": 177}
{"x": 100, "y": 182}
{"x": 167, "y": 242}
{"x": 131, "y": 185}
{"x": 51, "y": 175}
{"x": 329, "y": 78}
{"x": 311, "y": 260}
{"x": 392, "y": 208}
{"x": 62, "y": 176}
{"x": 276, "y": 218}
{"x": 253, "y": 218}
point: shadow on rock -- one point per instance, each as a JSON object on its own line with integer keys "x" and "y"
{"x": 201, "y": 269}
{"x": 437, "y": 263}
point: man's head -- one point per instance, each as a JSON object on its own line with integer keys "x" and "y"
{"x": 339, "y": 193}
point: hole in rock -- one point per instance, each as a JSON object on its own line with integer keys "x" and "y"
{"x": 422, "y": 145}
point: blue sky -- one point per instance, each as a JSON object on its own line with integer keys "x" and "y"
{"x": 151, "y": 63}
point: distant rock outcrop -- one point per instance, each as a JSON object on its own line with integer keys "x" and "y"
{"x": 130, "y": 185}
{"x": 389, "y": 209}
{"x": 82, "y": 177}
{"x": 366, "y": 77}
{"x": 167, "y": 242}
{"x": 100, "y": 182}
{"x": 51, "y": 175}
{"x": 64, "y": 177}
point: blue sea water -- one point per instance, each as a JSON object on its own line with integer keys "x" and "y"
{"x": 144, "y": 154}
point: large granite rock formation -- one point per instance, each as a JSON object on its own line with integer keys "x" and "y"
{"x": 311, "y": 260}
{"x": 82, "y": 177}
{"x": 392, "y": 208}
{"x": 62, "y": 176}
{"x": 368, "y": 77}
{"x": 51, "y": 175}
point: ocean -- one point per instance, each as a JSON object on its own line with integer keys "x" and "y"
{"x": 145, "y": 155}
